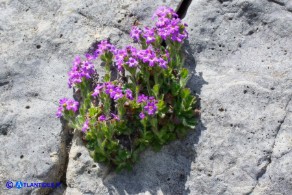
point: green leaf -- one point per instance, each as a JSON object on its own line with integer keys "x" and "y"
{"x": 161, "y": 105}
{"x": 184, "y": 77}
{"x": 184, "y": 73}
{"x": 155, "y": 90}
{"x": 190, "y": 122}
{"x": 103, "y": 58}
{"x": 185, "y": 93}
{"x": 106, "y": 77}
{"x": 175, "y": 88}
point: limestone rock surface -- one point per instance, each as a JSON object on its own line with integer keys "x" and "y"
{"x": 239, "y": 53}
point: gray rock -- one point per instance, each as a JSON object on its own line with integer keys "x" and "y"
{"x": 37, "y": 44}
{"x": 239, "y": 53}
{"x": 242, "y": 54}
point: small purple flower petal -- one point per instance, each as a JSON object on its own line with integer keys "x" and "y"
{"x": 85, "y": 126}
{"x": 150, "y": 108}
{"x": 142, "y": 115}
{"x": 116, "y": 117}
{"x": 132, "y": 62}
{"x": 135, "y": 33}
{"x": 162, "y": 63}
{"x": 59, "y": 113}
{"x": 129, "y": 94}
{"x": 97, "y": 90}
{"x": 72, "y": 105}
{"x": 102, "y": 118}
{"x": 142, "y": 98}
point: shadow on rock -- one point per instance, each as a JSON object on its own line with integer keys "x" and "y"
{"x": 165, "y": 171}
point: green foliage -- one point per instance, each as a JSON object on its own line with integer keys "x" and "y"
{"x": 118, "y": 139}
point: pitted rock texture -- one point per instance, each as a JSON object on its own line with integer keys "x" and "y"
{"x": 38, "y": 41}
{"x": 242, "y": 52}
{"x": 239, "y": 53}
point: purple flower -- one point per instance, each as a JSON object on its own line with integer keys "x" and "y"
{"x": 116, "y": 117}
{"x": 79, "y": 71}
{"x": 132, "y": 62}
{"x": 162, "y": 63}
{"x": 62, "y": 104}
{"x": 85, "y": 126}
{"x": 114, "y": 92}
{"x": 162, "y": 22}
{"x": 152, "y": 60}
{"x": 118, "y": 95}
{"x": 169, "y": 26}
{"x": 120, "y": 54}
{"x": 87, "y": 69}
{"x": 105, "y": 46}
{"x": 63, "y": 101}
{"x": 90, "y": 57}
{"x": 129, "y": 94}
{"x": 97, "y": 90}
{"x": 59, "y": 113}
{"x": 150, "y": 108}
{"x": 142, "y": 98}
{"x": 142, "y": 115}
{"x": 152, "y": 99}
{"x": 144, "y": 55}
{"x": 67, "y": 104}
{"x": 135, "y": 33}
{"x": 110, "y": 89}
{"x": 164, "y": 11}
{"x": 72, "y": 105}
{"x": 164, "y": 33}
{"x": 132, "y": 50}
{"x": 149, "y": 35}
{"x": 102, "y": 118}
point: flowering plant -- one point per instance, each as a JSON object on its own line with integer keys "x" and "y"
{"x": 147, "y": 107}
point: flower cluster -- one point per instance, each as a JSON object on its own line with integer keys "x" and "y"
{"x": 150, "y": 105}
{"x": 67, "y": 104}
{"x": 168, "y": 26}
{"x": 80, "y": 70}
{"x": 122, "y": 116}
{"x": 115, "y": 92}
{"x": 103, "y": 47}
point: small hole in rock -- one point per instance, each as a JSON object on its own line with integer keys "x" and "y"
{"x": 77, "y": 156}
{"x": 93, "y": 166}
{"x": 21, "y": 156}
{"x": 168, "y": 179}
{"x": 38, "y": 46}
{"x": 245, "y": 91}
{"x": 27, "y": 107}
{"x": 88, "y": 172}
{"x": 250, "y": 32}
{"x": 272, "y": 88}
{"x": 221, "y": 109}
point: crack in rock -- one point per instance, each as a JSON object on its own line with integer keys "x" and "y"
{"x": 183, "y": 8}
{"x": 263, "y": 170}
